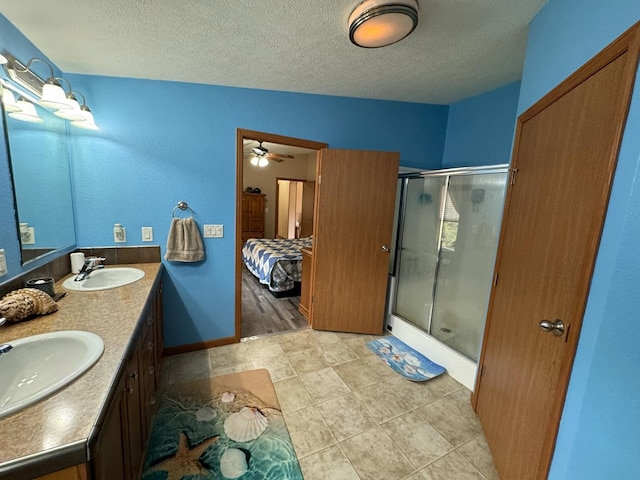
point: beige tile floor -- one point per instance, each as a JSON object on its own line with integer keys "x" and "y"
{"x": 349, "y": 415}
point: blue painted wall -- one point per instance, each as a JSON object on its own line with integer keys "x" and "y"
{"x": 162, "y": 142}
{"x": 598, "y": 435}
{"x": 480, "y": 129}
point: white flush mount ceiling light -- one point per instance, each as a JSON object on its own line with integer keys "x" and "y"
{"x": 378, "y": 23}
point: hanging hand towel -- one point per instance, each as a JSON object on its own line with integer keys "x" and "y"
{"x": 184, "y": 243}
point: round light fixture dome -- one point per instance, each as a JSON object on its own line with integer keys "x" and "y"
{"x": 378, "y": 23}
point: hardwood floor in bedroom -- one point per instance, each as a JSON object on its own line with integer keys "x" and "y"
{"x": 262, "y": 313}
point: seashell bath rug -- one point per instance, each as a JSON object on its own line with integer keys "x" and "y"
{"x": 224, "y": 427}
{"x": 404, "y": 359}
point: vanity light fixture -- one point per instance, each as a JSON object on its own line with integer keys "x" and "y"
{"x": 52, "y": 93}
{"x": 27, "y": 112}
{"x": 378, "y": 23}
{"x": 49, "y": 93}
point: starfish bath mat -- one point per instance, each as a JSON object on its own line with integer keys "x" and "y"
{"x": 404, "y": 359}
{"x": 223, "y": 427}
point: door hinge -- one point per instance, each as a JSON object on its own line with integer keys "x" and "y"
{"x": 514, "y": 172}
{"x": 319, "y": 179}
{"x": 495, "y": 280}
{"x": 480, "y": 370}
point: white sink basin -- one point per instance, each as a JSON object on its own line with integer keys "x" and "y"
{"x": 40, "y": 365}
{"x": 104, "y": 278}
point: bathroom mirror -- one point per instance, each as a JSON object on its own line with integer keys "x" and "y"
{"x": 39, "y": 159}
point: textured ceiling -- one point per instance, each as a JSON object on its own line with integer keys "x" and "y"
{"x": 459, "y": 49}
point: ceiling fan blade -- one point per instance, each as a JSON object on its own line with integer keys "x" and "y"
{"x": 278, "y": 156}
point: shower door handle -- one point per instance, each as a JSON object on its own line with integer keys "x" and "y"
{"x": 556, "y": 327}
{"x": 385, "y": 248}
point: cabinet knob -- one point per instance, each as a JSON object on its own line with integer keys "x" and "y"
{"x": 134, "y": 375}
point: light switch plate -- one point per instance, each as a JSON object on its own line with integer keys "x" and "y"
{"x": 147, "y": 234}
{"x": 213, "y": 231}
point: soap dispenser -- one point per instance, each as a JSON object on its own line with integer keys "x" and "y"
{"x": 119, "y": 233}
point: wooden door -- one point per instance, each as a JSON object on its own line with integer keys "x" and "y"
{"x": 355, "y": 198}
{"x": 308, "y": 196}
{"x": 565, "y": 154}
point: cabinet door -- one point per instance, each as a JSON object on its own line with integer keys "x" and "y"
{"x": 256, "y": 215}
{"x": 109, "y": 462}
{"x": 133, "y": 418}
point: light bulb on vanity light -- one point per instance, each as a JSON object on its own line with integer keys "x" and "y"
{"x": 27, "y": 112}
{"x": 73, "y": 112}
{"x": 88, "y": 123}
{"x": 9, "y": 101}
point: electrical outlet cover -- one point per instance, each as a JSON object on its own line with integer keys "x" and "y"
{"x": 3, "y": 263}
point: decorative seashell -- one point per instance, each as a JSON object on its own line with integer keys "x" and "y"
{"x": 412, "y": 360}
{"x": 233, "y": 463}
{"x": 228, "y": 397}
{"x": 245, "y": 425}
{"x": 25, "y": 302}
{"x": 206, "y": 414}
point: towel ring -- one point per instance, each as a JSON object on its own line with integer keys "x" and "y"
{"x": 182, "y": 206}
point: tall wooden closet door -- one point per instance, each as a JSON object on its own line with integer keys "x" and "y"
{"x": 565, "y": 155}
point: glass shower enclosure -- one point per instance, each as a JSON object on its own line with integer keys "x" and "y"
{"x": 448, "y": 229}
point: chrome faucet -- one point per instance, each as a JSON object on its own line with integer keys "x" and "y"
{"x": 90, "y": 264}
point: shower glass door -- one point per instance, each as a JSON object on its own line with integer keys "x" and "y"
{"x": 450, "y": 222}
{"x": 467, "y": 255}
{"x": 419, "y": 245}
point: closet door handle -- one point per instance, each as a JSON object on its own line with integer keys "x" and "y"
{"x": 385, "y": 248}
{"x": 557, "y": 327}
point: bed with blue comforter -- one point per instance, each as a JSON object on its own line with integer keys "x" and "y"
{"x": 276, "y": 262}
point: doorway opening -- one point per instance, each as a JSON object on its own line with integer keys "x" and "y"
{"x": 267, "y": 284}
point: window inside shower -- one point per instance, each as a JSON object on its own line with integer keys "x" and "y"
{"x": 449, "y": 223}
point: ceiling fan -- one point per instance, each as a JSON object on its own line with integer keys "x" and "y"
{"x": 262, "y": 152}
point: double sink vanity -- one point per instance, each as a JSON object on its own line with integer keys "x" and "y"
{"x": 95, "y": 362}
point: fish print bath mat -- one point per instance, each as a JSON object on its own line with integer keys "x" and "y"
{"x": 404, "y": 359}
{"x": 223, "y": 427}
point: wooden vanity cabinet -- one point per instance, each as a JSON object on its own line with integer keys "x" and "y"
{"x": 119, "y": 450}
